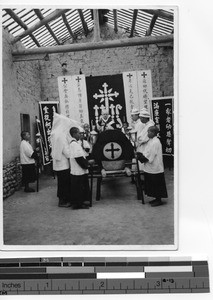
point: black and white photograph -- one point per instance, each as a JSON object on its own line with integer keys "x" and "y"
{"x": 90, "y": 122}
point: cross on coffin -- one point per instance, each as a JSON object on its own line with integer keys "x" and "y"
{"x": 112, "y": 150}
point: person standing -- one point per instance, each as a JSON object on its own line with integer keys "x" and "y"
{"x": 79, "y": 172}
{"x": 27, "y": 159}
{"x": 143, "y": 135}
{"x": 60, "y": 154}
{"x": 147, "y": 122}
{"x": 137, "y": 126}
{"x": 152, "y": 157}
{"x": 84, "y": 143}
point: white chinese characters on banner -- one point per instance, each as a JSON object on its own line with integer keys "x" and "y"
{"x": 131, "y": 92}
{"x": 168, "y": 130}
{"x": 156, "y": 117}
{"x": 144, "y": 88}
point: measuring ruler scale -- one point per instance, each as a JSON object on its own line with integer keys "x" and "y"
{"x": 103, "y": 275}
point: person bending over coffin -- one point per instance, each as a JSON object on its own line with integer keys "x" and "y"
{"x": 105, "y": 121}
{"x": 79, "y": 172}
{"x": 154, "y": 179}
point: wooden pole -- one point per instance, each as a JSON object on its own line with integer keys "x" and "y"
{"x": 115, "y": 20}
{"x": 160, "y": 13}
{"x": 134, "y": 18}
{"x": 40, "y": 16}
{"x": 98, "y": 45}
{"x": 22, "y": 24}
{"x": 68, "y": 26}
{"x": 57, "y": 13}
{"x": 84, "y": 24}
{"x": 97, "y": 35}
{"x": 151, "y": 26}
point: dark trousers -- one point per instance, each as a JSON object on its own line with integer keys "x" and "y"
{"x": 155, "y": 185}
{"x": 63, "y": 189}
{"x": 80, "y": 189}
{"x": 28, "y": 173}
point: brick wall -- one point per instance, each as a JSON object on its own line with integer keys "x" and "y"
{"x": 111, "y": 61}
{"x": 25, "y": 83}
{"x": 21, "y": 93}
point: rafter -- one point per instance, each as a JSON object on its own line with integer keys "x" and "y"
{"x": 57, "y": 13}
{"x": 68, "y": 26}
{"x": 151, "y": 26}
{"x": 115, "y": 20}
{"x": 22, "y": 24}
{"x": 99, "y": 45}
{"x": 160, "y": 13}
{"x": 84, "y": 24}
{"x": 97, "y": 35}
{"x": 134, "y": 18}
{"x": 41, "y": 17}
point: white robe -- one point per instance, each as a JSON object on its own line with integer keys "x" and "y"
{"x": 153, "y": 152}
{"x": 143, "y": 139}
{"x": 60, "y": 139}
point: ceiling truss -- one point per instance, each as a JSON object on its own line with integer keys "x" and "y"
{"x": 44, "y": 31}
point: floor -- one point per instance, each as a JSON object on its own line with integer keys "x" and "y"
{"x": 117, "y": 219}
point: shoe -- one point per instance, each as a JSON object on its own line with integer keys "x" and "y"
{"x": 64, "y": 205}
{"x": 83, "y": 206}
{"x": 152, "y": 201}
{"x": 29, "y": 190}
{"x": 157, "y": 203}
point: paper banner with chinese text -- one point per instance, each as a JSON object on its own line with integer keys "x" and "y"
{"x": 130, "y": 92}
{"x": 73, "y": 97}
{"x": 144, "y": 88}
{"x": 65, "y": 95}
{"x": 46, "y": 109}
{"x": 162, "y": 111}
{"x": 80, "y": 106}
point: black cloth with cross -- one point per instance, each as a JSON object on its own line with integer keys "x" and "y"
{"x": 116, "y": 142}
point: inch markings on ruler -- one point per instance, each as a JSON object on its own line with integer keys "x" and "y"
{"x": 99, "y": 275}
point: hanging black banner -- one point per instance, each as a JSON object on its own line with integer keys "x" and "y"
{"x": 162, "y": 111}
{"x": 46, "y": 110}
{"x": 106, "y": 92}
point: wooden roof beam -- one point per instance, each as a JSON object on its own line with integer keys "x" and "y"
{"x": 57, "y": 13}
{"x": 135, "y": 41}
{"x": 41, "y": 17}
{"x": 151, "y": 26}
{"x": 115, "y": 20}
{"x": 134, "y": 18}
{"x": 97, "y": 34}
{"x": 160, "y": 13}
{"x": 84, "y": 24}
{"x": 11, "y": 13}
{"x": 68, "y": 26}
